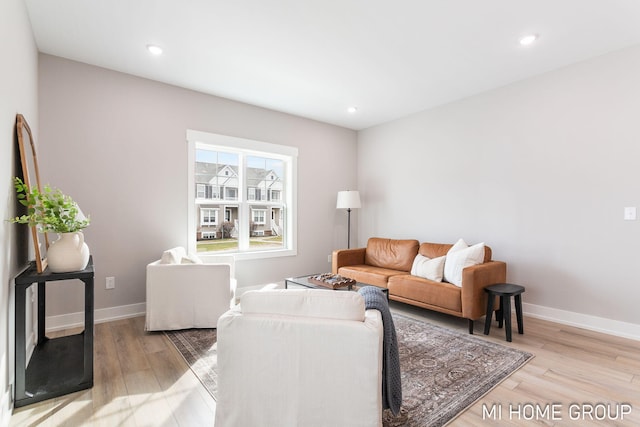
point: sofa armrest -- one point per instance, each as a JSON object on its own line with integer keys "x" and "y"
{"x": 343, "y": 257}
{"x": 474, "y": 280}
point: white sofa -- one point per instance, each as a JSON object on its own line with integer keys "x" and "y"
{"x": 308, "y": 358}
{"x": 183, "y": 292}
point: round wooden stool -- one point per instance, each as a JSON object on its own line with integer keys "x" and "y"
{"x": 505, "y": 291}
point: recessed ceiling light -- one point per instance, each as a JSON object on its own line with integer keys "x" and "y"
{"x": 528, "y": 39}
{"x": 155, "y": 50}
{"x": 352, "y": 110}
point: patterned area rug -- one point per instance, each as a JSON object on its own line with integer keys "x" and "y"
{"x": 443, "y": 371}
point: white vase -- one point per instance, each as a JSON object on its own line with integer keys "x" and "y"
{"x": 68, "y": 253}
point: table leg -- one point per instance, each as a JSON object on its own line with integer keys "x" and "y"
{"x": 487, "y": 320}
{"x": 506, "y": 306}
{"x": 20, "y": 350}
{"x": 88, "y": 330}
{"x": 518, "y": 300}
{"x": 42, "y": 300}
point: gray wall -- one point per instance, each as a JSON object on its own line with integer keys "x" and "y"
{"x": 116, "y": 143}
{"x": 18, "y": 94}
{"x": 540, "y": 170}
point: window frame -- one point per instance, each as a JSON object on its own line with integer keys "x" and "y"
{"x": 247, "y": 147}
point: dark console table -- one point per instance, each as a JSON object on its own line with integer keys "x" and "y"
{"x": 61, "y": 365}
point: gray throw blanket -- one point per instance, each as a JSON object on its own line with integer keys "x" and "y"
{"x": 375, "y": 299}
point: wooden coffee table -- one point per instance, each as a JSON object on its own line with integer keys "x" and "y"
{"x": 304, "y": 281}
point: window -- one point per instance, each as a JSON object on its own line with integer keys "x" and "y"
{"x": 201, "y": 191}
{"x": 251, "y": 185}
{"x": 259, "y": 215}
{"x": 206, "y": 191}
{"x": 208, "y": 217}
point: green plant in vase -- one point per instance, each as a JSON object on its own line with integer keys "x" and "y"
{"x": 51, "y": 211}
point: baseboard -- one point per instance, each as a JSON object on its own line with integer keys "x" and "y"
{"x": 71, "y": 320}
{"x": 585, "y": 321}
{"x": 579, "y": 320}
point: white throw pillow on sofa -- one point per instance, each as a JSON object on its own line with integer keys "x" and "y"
{"x": 429, "y": 268}
{"x": 173, "y": 256}
{"x": 459, "y": 257}
{"x": 191, "y": 259}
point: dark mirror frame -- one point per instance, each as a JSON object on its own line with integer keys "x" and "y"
{"x": 31, "y": 177}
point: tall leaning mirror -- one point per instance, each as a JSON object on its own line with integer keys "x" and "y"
{"x": 31, "y": 177}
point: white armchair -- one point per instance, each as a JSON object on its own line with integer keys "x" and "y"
{"x": 308, "y": 358}
{"x": 183, "y": 292}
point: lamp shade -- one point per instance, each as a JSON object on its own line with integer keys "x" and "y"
{"x": 349, "y": 199}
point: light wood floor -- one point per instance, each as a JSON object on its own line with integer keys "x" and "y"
{"x": 141, "y": 380}
{"x": 570, "y": 366}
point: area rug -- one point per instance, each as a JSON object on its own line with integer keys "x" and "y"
{"x": 443, "y": 371}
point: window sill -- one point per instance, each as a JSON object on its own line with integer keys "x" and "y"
{"x": 241, "y": 256}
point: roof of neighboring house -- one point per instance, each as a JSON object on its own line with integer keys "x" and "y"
{"x": 205, "y": 172}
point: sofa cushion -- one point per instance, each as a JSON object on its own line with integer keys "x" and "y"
{"x": 391, "y": 254}
{"x": 173, "y": 256}
{"x": 305, "y": 302}
{"x": 179, "y": 255}
{"x": 459, "y": 257}
{"x": 191, "y": 259}
{"x": 429, "y": 268}
{"x": 439, "y": 294}
{"x": 376, "y": 276}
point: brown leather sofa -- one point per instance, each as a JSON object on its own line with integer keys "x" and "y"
{"x": 387, "y": 263}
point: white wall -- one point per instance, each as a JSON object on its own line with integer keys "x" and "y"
{"x": 539, "y": 170}
{"x": 117, "y": 144}
{"x": 18, "y": 94}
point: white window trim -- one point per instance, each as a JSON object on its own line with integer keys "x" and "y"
{"x": 257, "y": 148}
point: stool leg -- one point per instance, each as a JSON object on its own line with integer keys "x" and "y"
{"x": 487, "y": 320}
{"x": 501, "y": 312}
{"x": 518, "y": 300}
{"x": 506, "y": 307}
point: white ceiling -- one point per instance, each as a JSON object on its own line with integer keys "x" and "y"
{"x": 315, "y": 58}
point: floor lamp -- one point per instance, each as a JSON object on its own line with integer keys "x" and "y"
{"x": 348, "y": 200}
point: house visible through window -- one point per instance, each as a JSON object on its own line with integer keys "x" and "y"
{"x": 208, "y": 217}
{"x": 242, "y": 195}
{"x": 258, "y": 216}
